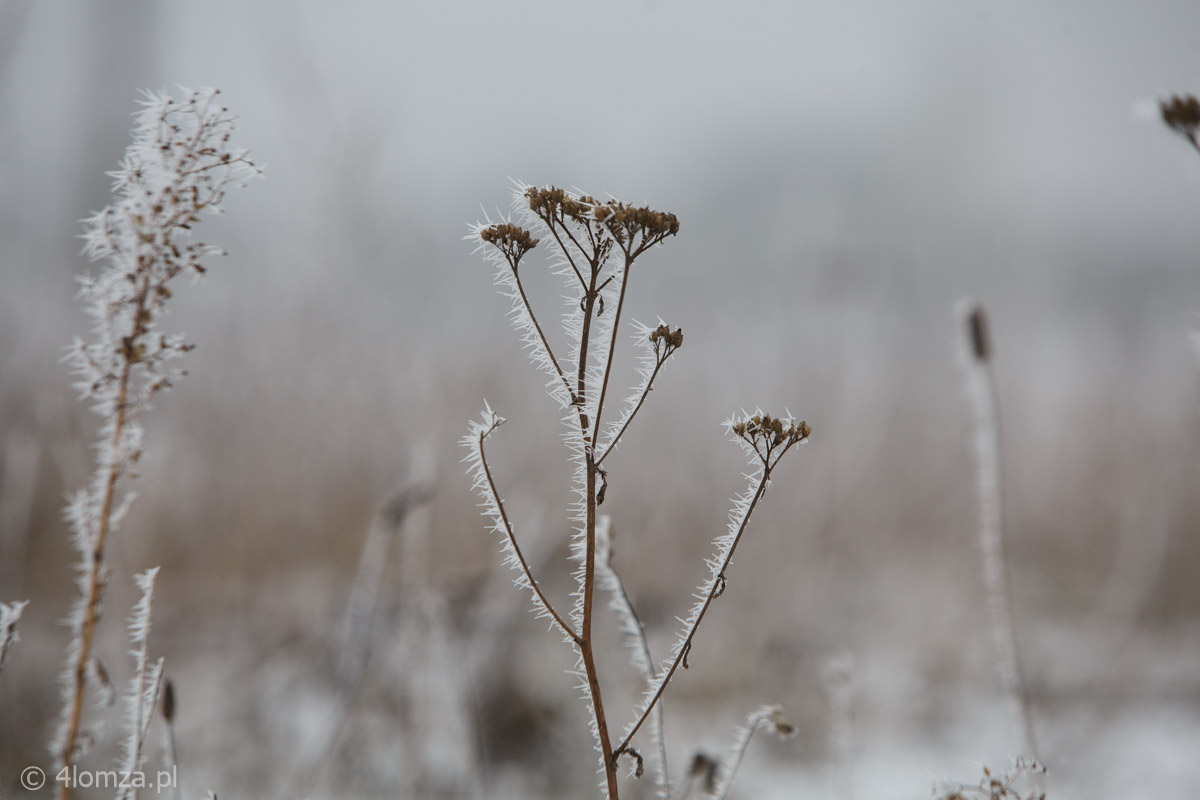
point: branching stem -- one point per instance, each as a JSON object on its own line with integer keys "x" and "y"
{"x": 612, "y": 347}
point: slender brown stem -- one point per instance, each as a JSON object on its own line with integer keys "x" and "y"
{"x": 512, "y": 540}
{"x": 91, "y": 609}
{"x": 612, "y": 346}
{"x": 645, "y": 393}
{"x": 589, "y": 564}
{"x": 563, "y": 249}
{"x": 637, "y": 631}
{"x": 717, "y": 587}
{"x": 589, "y": 663}
{"x": 538, "y": 327}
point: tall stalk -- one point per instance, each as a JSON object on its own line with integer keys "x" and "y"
{"x": 177, "y": 169}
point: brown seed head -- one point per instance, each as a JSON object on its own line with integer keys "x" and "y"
{"x": 637, "y": 228}
{"x": 168, "y": 701}
{"x": 663, "y": 333}
{"x": 1181, "y": 113}
{"x": 554, "y": 204}
{"x": 763, "y": 429}
{"x": 511, "y": 240}
{"x": 977, "y": 330}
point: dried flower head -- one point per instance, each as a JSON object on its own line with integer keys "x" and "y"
{"x": 556, "y": 205}
{"x": 664, "y": 336}
{"x": 1181, "y": 113}
{"x": 511, "y": 240}
{"x": 636, "y": 229}
{"x": 977, "y": 330}
{"x": 774, "y": 431}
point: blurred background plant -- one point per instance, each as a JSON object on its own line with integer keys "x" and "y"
{"x": 846, "y": 171}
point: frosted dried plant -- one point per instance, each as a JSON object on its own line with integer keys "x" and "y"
{"x": 178, "y": 167}
{"x": 595, "y": 245}
{"x": 997, "y": 785}
{"x": 145, "y": 687}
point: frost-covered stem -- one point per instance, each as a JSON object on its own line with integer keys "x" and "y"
{"x": 10, "y": 614}
{"x": 589, "y": 300}
{"x": 584, "y": 642}
{"x": 635, "y": 634}
{"x": 766, "y": 716}
{"x": 565, "y": 251}
{"x": 637, "y": 407}
{"x": 989, "y": 464}
{"x": 95, "y": 585}
{"x": 838, "y": 677}
{"x": 585, "y": 633}
{"x": 612, "y": 348}
{"x": 512, "y": 538}
{"x": 538, "y": 327}
{"x": 716, "y": 587}
{"x": 178, "y": 167}
{"x": 146, "y": 683}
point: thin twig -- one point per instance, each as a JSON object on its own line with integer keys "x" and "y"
{"x": 713, "y": 590}
{"x": 612, "y": 347}
{"x": 512, "y": 539}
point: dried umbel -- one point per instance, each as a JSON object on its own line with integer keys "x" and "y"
{"x": 594, "y": 246}
{"x": 634, "y": 229}
{"x": 511, "y": 240}
{"x": 663, "y": 336}
{"x": 765, "y": 434}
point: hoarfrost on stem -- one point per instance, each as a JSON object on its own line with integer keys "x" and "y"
{"x": 177, "y": 169}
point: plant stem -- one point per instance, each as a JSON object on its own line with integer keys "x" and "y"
{"x": 996, "y": 568}
{"x": 641, "y": 400}
{"x": 717, "y": 586}
{"x": 589, "y": 663}
{"x": 512, "y": 540}
{"x": 612, "y": 346}
{"x": 91, "y": 608}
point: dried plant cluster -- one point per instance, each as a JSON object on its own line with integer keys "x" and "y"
{"x": 596, "y": 246}
{"x": 177, "y": 169}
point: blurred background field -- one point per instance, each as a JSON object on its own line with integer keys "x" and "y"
{"x": 843, "y": 172}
